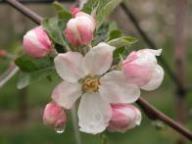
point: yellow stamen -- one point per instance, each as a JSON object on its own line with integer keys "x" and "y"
{"x": 91, "y": 84}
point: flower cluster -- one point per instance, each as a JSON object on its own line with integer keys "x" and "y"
{"x": 106, "y": 91}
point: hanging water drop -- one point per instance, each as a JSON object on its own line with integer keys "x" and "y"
{"x": 60, "y": 130}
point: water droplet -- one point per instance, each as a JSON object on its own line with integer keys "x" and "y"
{"x": 60, "y": 130}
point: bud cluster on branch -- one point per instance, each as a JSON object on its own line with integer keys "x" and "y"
{"x": 107, "y": 86}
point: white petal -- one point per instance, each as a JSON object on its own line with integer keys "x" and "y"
{"x": 139, "y": 117}
{"x": 99, "y": 59}
{"x": 65, "y": 94}
{"x": 137, "y": 120}
{"x": 68, "y": 66}
{"x": 156, "y": 80}
{"x": 94, "y": 113}
{"x": 157, "y": 52}
{"x": 116, "y": 89}
{"x": 152, "y": 51}
{"x": 146, "y": 57}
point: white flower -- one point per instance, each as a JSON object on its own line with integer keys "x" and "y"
{"x": 88, "y": 77}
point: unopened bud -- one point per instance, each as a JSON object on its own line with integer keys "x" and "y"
{"x": 54, "y": 116}
{"x": 142, "y": 69}
{"x": 124, "y": 117}
{"x": 3, "y": 53}
{"x": 80, "y": 29}
{"x": 36, "y": 42}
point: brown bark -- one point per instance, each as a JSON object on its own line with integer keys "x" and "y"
{"x": 180, "y": 61}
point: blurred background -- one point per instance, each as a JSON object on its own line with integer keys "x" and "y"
{"x": 166, "y": 22}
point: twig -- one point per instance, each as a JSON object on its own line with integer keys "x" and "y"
{"x": 39, "y": 1}
{"x": 152, "y": 112}
{"x": 180, "y": 62}
{"x": 149, "y": 42}
{"x": 155, "y": 114}
{"x": 25, "y": 11}
{"x": 7, "y": 75}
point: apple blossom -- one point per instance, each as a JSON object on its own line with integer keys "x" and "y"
{"x": 36, "y": 42}
{"x": 89, "y": 77}
{"x": 80, "y": 29}
{"x": 141, "y": 68}
{"x": 54, "y": 115}
{"x": 124, "y": 117}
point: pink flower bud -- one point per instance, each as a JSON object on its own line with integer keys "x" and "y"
{"x": 36, "y": 42}
{"x": 74, "y": 10}
{"x": 3, "y": 53}
{"x": 54, "y": 115}
{"x": 124, "y": 117}
{"x": 139, "y": 67}
{"x": 79, "y": 30}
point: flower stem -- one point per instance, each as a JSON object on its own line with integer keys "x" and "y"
{"x": 75, "y": 126}
{"x": 103, "y": 139}
{"x": 8, "y": 74}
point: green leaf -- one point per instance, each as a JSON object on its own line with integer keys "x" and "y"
{"x": 103, "y": 8}
{"x": 29, "y": 64}
{"x": 62, "y": 12}
{"x": 122, "y": 41}
{"x": 55, "y": 28}
{"x": 93, "y": 4}
{"x": 58, "y": 6}
{"x": 103, "y": 32}
{"x": 23, "y": 80}
{"x": 106, "y": 10}
{"x": 122, "y": 45}
{"x": 118, "y": 53}
{"x": 114, "y": 34}
{"x": 26, "y": 79}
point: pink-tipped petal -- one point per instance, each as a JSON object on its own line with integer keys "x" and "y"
{"x": 54, "y": 115}
{"x": 69, "y": 66}
{"x": 124, "y": 117}
{"x": 139, "y": 66}
{"x": 36, "y": 43}
{"x": 156, "y": 79}
{"x": 66, "y": 94}
{"x": 79, "y": 30}
{"x": 74, "y": 10}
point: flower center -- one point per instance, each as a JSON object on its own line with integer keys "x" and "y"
{"x": 91, "y": 84}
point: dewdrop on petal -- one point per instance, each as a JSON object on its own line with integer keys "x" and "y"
{"x": 36, "y": 43}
